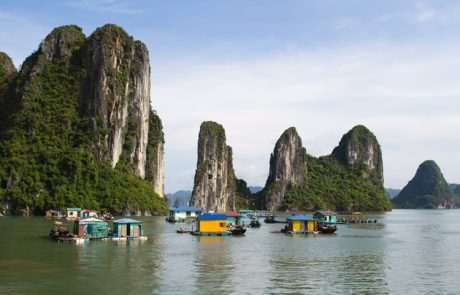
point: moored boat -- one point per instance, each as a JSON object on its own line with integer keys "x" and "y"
{"x": 237, "y": 230}
{"x": 255, "y": 223}
{"x": 327, "y": 229}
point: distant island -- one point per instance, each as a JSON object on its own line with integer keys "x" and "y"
{"x": 427, "y": 190}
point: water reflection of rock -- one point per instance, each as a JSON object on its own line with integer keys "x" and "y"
{"x": 214, "y": 266}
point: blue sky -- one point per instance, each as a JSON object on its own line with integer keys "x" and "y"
{"x": 259, "y": 67}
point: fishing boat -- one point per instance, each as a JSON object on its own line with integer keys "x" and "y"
{"x": 327, "y": 229}
{"x": 237, "y": 230}
{"x": 255, "y": 223}
{"x": 183, "y": 230}
{"x": 272, "y": 219}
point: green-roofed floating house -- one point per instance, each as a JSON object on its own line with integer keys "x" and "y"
{"x": 128, "y": 229}
{"x": 183, "y": 214}
{"x": 326, "y": 217}
{"x": 73, "y": 213}
{"x": 91, "y": 228}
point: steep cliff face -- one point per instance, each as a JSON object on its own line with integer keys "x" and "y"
{"x": 427, "y": 190}
{"x": 80, "y": 104}
{"x": 8, "y": 74}
{"x": 215, "y": 182}
{"x": 154, "y": 168}
{"x": 287, "y": 167}
{"x": 117, "y": 95}
{"x": 360, "y": 150}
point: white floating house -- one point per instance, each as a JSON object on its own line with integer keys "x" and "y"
{"x": 181, "y": 214}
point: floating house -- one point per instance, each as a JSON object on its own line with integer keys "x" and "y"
{"x": 302, "y": 224}
{"x": 211, "y": 225}
{"x": 54, "y": 214}
{"x": 181, "y": 214}
{"x": 234, "y": 218}
{"x": 128, "y": 229}
{"x": 327, "y": 217}
{"x": 73, "y": 213}
{"x": 91, "y": 227}
{"x": 88, "y": 213}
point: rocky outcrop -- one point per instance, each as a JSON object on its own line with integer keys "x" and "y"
{"x": 287, "y": 166}
{"x": 215, "y": 182}
{"x": 360, "y": 150}
{"x": 154, "y": 168}
{"x": 78, "y": 108}
{"x": 351, "y": 178}
{"x": 427, "y": 190}
{"x": 117, "y": 95}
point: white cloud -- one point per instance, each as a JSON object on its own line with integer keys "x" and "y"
{"x": 408, "y": 96}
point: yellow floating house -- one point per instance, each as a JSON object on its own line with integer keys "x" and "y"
{"x": 302, "y": 224}
{"x": 211, "y": 225}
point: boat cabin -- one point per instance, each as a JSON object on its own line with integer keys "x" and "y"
{"x": 234, "y": 218}
{"x": 327, "y": 217}
{"x": 73, "y": 213}
{"x": 91, "y": 227}
{"x": 301, "y": 224}
{"x": 88, "y": 213}
{"x": 127, "y": 228}
{"x": 180, "y": 214}
{"x": 211, "y": 223}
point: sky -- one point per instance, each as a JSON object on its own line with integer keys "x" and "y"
{"x": 259, "y": 67}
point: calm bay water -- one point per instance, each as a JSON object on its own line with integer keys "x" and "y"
{"x": 408, "y": 251}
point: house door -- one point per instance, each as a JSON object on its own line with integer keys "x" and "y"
{"x": 123, "y": 230}
{"x": 81, "y": 230}
{"x": 136, "y": 231}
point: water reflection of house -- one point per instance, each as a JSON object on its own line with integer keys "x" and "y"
{"x": 178, "y": 214}
{"x": 302, "y": 224}
{"x": 73, "y": 213}
{"x": 127, "y": 228}
{"x": 211, "y": 225}
{"x": 91, "y": 227}
{"x": 327, "y": 217}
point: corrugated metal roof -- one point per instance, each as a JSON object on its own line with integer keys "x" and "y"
{"x": 127, "y": 220}
{"x": 233, "y": 214}
{"x": 191, "y": 209}
{"x": 212, "y": 216}
{"x": 73, "y": 209}
{"x": 300, "y": 217}
{"x": 91, "y": 219}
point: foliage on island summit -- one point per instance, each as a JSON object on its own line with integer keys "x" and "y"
{"x": 48, "y": 155}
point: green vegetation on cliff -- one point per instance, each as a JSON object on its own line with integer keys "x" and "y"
{"x": 330, "y": 184}
{"x": 47, "y": 157}
{"x": 427, "y": 190}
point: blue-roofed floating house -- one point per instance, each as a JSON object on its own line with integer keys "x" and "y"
{"x": 128, "y": 229}
{"x": 301, "y": 224}
{"x": 182, "y": 214}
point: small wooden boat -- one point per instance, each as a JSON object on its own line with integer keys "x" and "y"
{"x": 183, "y": 231}
{"x": 237, "y": 230}
{"x": 255, "y": 223}
{"x": 327, "y": 229}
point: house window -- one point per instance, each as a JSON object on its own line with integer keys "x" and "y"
{"x": 70, "y": 213}
{"x": 222, "y": 224}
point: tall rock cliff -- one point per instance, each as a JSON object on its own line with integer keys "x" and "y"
{"x": 215, "y": 182}
{"x": 79, "y": 104}
{"x": 359, "y": 149}
{"x": 8, "y": 74}
{"x": 287, "y": 167}
{"x": 351, "y": 178}
{"x": 427, "y": 190}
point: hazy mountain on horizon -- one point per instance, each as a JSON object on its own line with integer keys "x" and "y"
{"x": 392, "y": 192}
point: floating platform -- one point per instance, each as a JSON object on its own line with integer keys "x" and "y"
{"x": 222, "y": 234}
{"x": 143, "y": 238}
{"x": 302, "y": 232}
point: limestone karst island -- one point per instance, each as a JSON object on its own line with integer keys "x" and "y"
{"x": 225, "y": 147}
